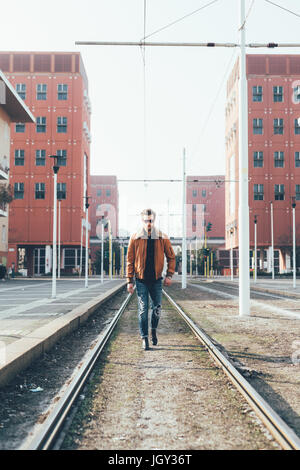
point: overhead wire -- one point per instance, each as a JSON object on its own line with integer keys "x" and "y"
{"x": 283, "y": 8}
{"x": 211, "y": 108}
{"x": 219, "y": 90}
{"x": 143, "y": 51}
{"x": 179, "y": 19}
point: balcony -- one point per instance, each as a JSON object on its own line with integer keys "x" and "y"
{"x": 3, "y": 210}
{"x": 3, "y": 172}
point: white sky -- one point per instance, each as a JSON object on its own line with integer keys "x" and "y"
{"x": 185, "y": 88}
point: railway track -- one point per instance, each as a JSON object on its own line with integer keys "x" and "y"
{"x": 285, "y": 304}
{"x": 46, "y": 434}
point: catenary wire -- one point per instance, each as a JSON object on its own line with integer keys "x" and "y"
{"x": 283, "y": 8}
{"x": 220, "y": 87}
{"x": 179, "y": 19}
{"x": 211, "y": 108}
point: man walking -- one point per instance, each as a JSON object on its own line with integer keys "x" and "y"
{"x": 145, "y": 261}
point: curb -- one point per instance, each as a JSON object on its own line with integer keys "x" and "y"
{"x": 20, "y": 354}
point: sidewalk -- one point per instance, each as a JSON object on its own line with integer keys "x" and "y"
{"x": 31, "y": 321}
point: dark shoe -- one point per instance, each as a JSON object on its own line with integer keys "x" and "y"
{"x": 146, "y": 344}
{"x": 154, "y": 337}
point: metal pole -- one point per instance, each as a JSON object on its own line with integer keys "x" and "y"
{"x": 59, "y": 224}
{"x": 272, "y": 242}
{"x": 81, "y": 239}
{"x": 54, "y": 236}
{"x": 244, "y": 278}
{"x": 294, "y": 244}
{"x": 110, "y": 250}
{"x": 86, "y": 242}
{"x": 196, "y": 257}
{"x": 231, "y": 255}
{"x": 255, "y": 248}
{"x": 183, "y": 275}
{"x": 102, "y": 250}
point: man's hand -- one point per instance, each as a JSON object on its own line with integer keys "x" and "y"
{"x": 167, "y": 281}
{"x": 130, "y": 288}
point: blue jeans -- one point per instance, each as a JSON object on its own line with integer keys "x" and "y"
{"x": 143, "y": 290}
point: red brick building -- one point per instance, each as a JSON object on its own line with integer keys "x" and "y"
{"x": 274, "y": 155}
{"x": 205, "y": 197}
{"x": 55, "y": 88}
{"x": 104, "y": 202}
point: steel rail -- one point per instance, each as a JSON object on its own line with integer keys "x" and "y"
{"x": 281, "y": 432}
{"x": 46, "y": 434}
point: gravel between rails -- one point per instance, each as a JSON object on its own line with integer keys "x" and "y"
{"x": 171, "y": 397}
{"x": 265, "y": 345}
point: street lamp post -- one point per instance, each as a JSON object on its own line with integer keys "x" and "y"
{"x": 272, "y": 242}
{"x": 86, "y": 239}
{"x": 102, "y": 250}
{"x": 255, "y": 248}
{"x": 231, "y": 254}
{"x": 244, "y": 276}
{"x": 294, "y": 241}
{"x": 183, "y": 274}
{"x": 54, "y": 252}
{"x": 59, "y": 233}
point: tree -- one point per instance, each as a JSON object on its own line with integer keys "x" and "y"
{"x": 6, "y": 195}
{"x": 117, "y": 257}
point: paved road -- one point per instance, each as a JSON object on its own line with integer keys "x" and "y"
{"x": 26, "y": 305}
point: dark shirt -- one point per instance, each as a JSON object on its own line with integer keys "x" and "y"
{"x": 149, "y": 275}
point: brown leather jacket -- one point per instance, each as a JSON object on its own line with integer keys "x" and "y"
{"x": 137, "y": 252}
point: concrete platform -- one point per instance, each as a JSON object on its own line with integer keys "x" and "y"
{"x": 31, "y": 321}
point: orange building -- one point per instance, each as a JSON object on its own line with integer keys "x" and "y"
{"x": 104, "y": 202}
{"x": 54, "y": 86}
{"x": 205, "y": 197}
{"x": 274, "y": 156}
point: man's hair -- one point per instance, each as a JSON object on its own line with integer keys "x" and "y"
{"x": 148, "y": 212}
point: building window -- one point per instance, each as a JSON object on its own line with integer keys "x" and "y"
{"x": 19, "y": 157}
{"x": 40, "y": 157}
{"x": 194, "y": 207}
{"x": 4, "y": 233}
{"x": 203, "y": 192}
{"x": 19, "y": 191}
{"x": 61, "y": 191}
{"x": 257, "y": 93}
{"x": 297, "y": 127}
{"x": 279, "y": 159}
{"x": 71, "y": 257}
{"x": 258, "y": 159}
{"x": 41, "y": 91}
{"x": 62, "y": 124}
{"x": 62, "y": 91}
{"x": 278, "y": 126}
{"x": 297, "y": 94}
{"x": 257, "y": 126}
{"x": 99, "y": 192}
{"x": 258, "y": 190}
{"x": 39, "y": 190}
{"x": 41, "y": 124}
{"x": 20, "y": 127}
{"x": 21, "y": 90}
{"x": 108, "y": 193}
{"x": 297, "y": 192}
{"x": 279, "y": 192}
{"x": 297, "y": 159}
{"x": 62, "y": 160}
{"x": 194, "y": 192}
{"x": 277, "y": 94}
